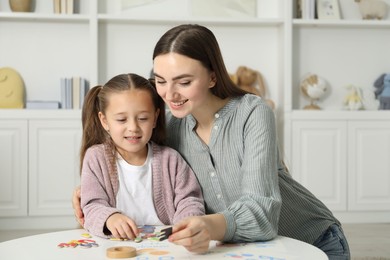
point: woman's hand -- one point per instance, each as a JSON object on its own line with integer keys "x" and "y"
{"x": 195, "y": 233}
{"x": 77, "y": 205}
{"x": 122, "y": 226}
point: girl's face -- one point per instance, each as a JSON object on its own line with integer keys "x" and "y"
{"x": 130, "y": 118}
{"x": 183, "y": 83}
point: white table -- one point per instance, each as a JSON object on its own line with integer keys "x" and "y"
{"x": 45, "y": 246}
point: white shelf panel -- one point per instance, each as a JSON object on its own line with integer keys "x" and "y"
{"x": 342, "y": 23}
{"x": 340, "y": 115}
{"x": 43, "y": 17}
{"x": 40, "y": 114}
{"x": 122, "y": 18}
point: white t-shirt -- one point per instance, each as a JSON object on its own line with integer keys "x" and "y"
{"x": 134, "y": 198}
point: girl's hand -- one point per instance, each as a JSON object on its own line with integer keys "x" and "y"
{"x": 193, "y": 233}
{"x": 77, "y": 205}
{"x": 122, "y": 226}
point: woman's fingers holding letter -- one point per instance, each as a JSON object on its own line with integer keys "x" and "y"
{"x": 192, "y": 233}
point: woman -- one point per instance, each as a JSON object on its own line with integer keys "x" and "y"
{"x": 228, "y": 137}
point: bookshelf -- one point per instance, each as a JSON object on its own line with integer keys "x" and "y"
{"x": 331, "y": 151}
{"x": 103, "y": 39}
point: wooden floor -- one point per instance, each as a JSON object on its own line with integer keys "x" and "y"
{"x": 366, "y": 241}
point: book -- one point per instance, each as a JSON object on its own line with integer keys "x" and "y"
{"x": 57, "y": 6}
{"x": 63, "y": 6}
{"x": 84, "y": 87}
{"x": 307, "y": 9}
{"x": 63, "y": 92}
{"x": 69, "y": 6}
{"x": 298, "y": 9}
{"x": 69, "y": 93}
{"x": 39, "y": 104}
{"x": 76, "y": 92}
{"x": 73, "y": 91}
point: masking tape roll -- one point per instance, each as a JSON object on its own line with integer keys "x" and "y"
{"x": 121, "y": 252}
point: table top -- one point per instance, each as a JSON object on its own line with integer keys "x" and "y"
{"x": 46, "y": 246}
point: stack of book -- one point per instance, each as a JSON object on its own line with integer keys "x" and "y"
{"x": 73, "y": 91}
{"x": 41, "y": 104}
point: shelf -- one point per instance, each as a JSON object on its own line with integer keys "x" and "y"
{"x": 5, "y": 16}
{"x": 342, "y": 23}
{"x": 341, "y": 52}
{"x": 340, "y": 115}
{"x": 170, "y": 21}
{"x": 40, "y": 114}
{"x": 104, "y": 40}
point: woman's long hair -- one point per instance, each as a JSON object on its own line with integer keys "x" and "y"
{"x": 199, "y": 43}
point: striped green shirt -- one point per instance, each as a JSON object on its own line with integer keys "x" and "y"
{"x": 243, "y": 178}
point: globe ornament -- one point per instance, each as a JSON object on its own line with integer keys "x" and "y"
{"x": 313, "y": 88}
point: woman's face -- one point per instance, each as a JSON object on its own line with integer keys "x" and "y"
{"x": 183, "y": 83}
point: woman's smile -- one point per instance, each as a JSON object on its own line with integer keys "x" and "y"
{"x": 177, "y": 104}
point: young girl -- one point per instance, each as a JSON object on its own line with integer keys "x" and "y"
{"x": 128, "y": 179}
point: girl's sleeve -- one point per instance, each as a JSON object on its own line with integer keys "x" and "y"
{"x": 95, "y": 199}
{"x": 255, "y": 215}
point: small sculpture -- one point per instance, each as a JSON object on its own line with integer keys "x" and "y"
{"x": 383, "y": 91}
{"x": 313, "y": 87}
{"x": 354, "y": 100}
{"x": 372, "y": 9}
{"x": 251, "y": 81}
{"x": 369, "y": 100}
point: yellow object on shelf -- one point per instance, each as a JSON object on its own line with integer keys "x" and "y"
{"x": 11, "y": 89}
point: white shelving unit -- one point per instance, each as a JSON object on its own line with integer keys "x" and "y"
{"x": 338, "y": 154}
{"x": 103, "y": 40}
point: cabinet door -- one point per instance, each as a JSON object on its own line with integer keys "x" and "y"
{"x": 54, "y": 165}
{"x": 369, "y": 165}
{"x": 319, "y": 159}
{"x": 13, "y": 168}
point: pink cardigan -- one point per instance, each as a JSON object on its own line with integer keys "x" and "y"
{"x": 176, "y": 192}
